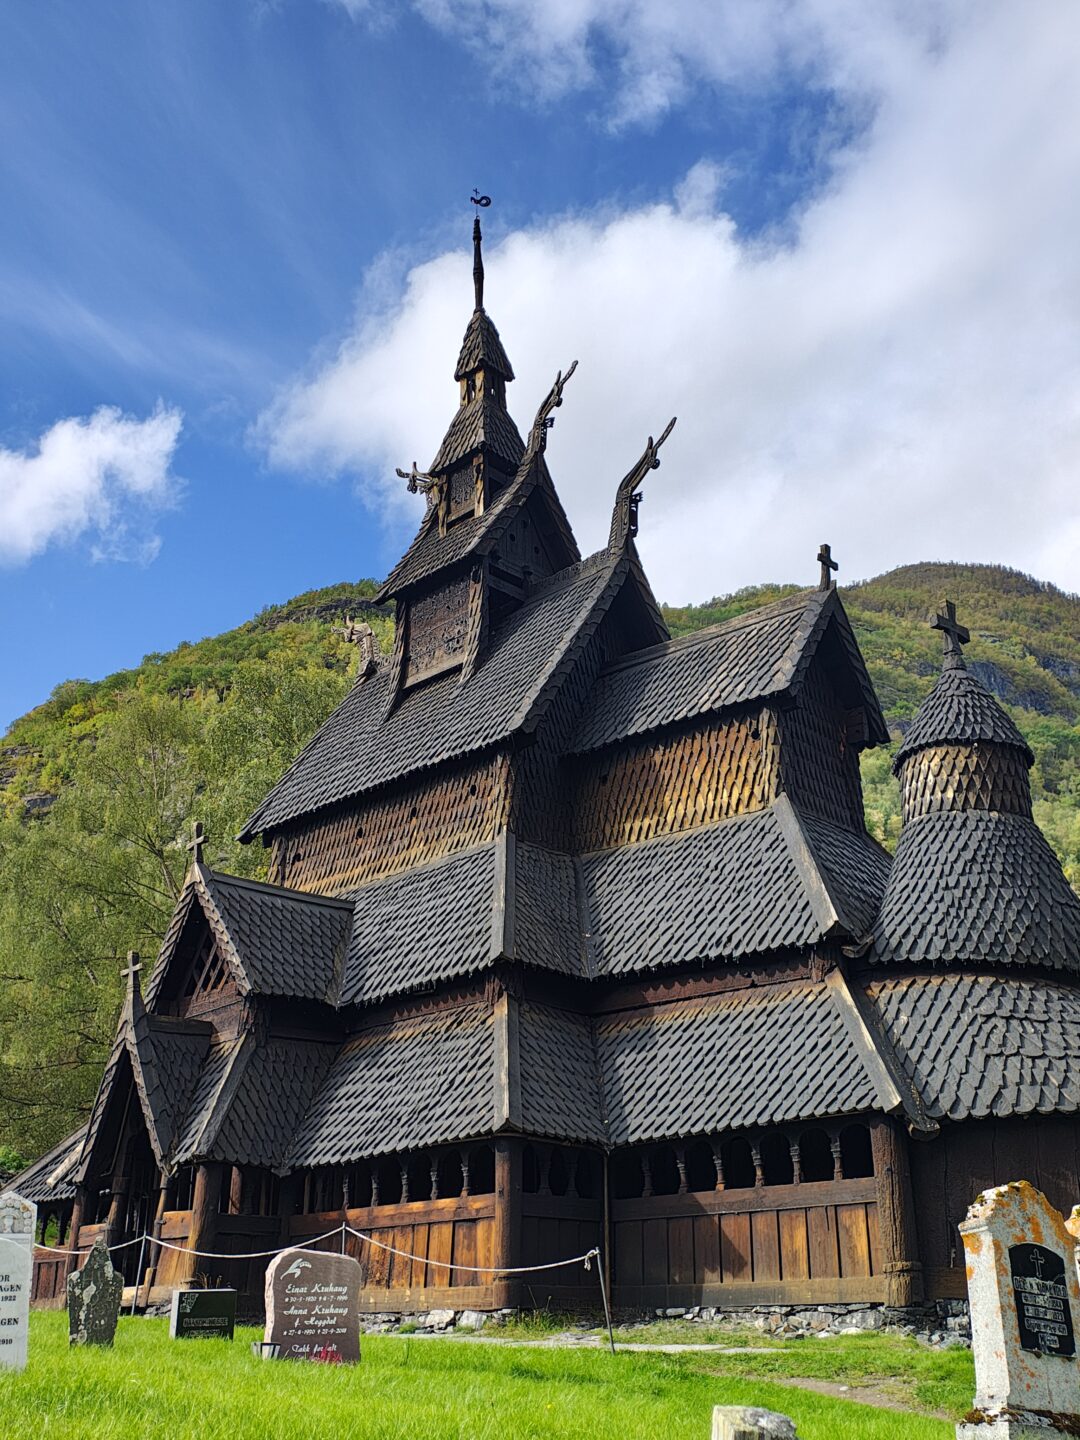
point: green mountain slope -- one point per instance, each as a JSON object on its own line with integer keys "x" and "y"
{"x": 99, "y": 785}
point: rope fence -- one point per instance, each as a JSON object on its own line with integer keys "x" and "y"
{"x": 344, "y": 1229}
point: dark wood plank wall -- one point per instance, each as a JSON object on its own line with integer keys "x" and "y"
{"x": 670, "y": 782}
{"x": 441, "y": 1233}
{"x": 788, "y": 1244}
{"x": 458, "y": 808}
{"x": 949, "y": 1172}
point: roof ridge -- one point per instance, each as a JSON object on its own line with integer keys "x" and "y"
{"x": 264, "y": 887}
{"x": 709, "y": 632}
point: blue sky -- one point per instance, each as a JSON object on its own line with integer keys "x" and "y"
{"x": 241, "y": 228}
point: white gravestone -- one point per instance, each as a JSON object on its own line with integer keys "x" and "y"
{"x": 1025, "y": 1309}
{"x": 18, "y": 1220}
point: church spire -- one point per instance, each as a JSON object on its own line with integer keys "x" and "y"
{"x": 477, "y": 263}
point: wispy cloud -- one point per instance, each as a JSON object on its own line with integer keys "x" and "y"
{"x": 899, "y": 374}
{"x": 102, "y": 477}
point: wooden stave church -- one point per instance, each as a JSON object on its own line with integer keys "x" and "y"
{"x": 575, "y": 937}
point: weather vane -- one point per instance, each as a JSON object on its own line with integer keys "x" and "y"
{"x": 480, "y": 201}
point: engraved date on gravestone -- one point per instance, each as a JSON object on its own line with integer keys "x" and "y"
{"x": 1042, "y": 1300}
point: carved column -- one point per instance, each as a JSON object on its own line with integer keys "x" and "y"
{"x": 896, "y": 1215}
{"x": 114, "y": 1224}
{"x": 507, "y": 1247}
{"x": 78, "y": 1210}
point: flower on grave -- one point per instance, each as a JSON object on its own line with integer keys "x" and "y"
{"x": 327, "y": 1355}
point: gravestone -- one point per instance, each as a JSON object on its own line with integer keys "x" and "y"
{"x": 18, "y": 1220}
{"x": 313, "y": 1306}
{"x": 93, "y": 1299}
{"x": 202, "y": 1315}
{"x": 1025, "y": 1305}
{"x": 748, "y": 1422}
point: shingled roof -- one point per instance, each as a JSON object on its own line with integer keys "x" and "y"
{"x": 753, "y": 657}
{"x": 977, "y": 886}
{"x": 960, "y": 710}
{"x": 419, "y": 1082}
{"x": 751, "y": 1058}
{"x": 742, "y": 886}
{"x": 360, "y": 747}
{"x": 482, "y": 347}
{"x": 49, "y": 1177}
{"x": 982, "y": 1045}
{"x": 483, "y": 423}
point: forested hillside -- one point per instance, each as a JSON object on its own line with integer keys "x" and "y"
{"x": 99, "y": 785}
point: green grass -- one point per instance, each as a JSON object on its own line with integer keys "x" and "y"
{"x": 152, "y": 1388}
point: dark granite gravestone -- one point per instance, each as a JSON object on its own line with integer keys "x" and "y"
{"x": 202, "y": 1315}
{"x": 1042, "y": 1299}
{"x": 93, "y": 1299}
{"x": 313, "y": 1306}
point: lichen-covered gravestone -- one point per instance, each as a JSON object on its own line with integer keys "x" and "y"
{"x": 93, "y": 1299}
{"x": 750, "y": 1422}
{"x": 18, "y": 1219}
{"x": 1025, "y": 1307}
{"x": 313, "y": 1306}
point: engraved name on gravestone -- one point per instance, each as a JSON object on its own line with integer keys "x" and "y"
{"x": 1024, "y": 1296}
{"x": 202, "y": 1315}
{"x": 93, "y": 1299}
{"x": 18, "y": 1219}
{"x": 313, "y": 1306}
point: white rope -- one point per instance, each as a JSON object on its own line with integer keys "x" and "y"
{"x": 585, "y": 1259}
{"x": 248, "y": 1255}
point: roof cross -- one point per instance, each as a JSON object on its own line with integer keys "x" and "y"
{"x": 827, "y": 564}
{"x": 197, "y": 841}
{"x": 954, "y": 635}
{"x": 131, "y": 974}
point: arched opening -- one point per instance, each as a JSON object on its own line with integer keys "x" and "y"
{"x": 558, "y": 1172}
{"x": 449, "y": 1176}
{"x": 359, "y": 1187}
{"x": 738, "y": 1161}
{"x": 664, "y": 1170}
{"x": 482, "y": 1170}
{"x": 815, "y": 1154}
{"x": 700, "y": 1168}
{"x": 530, "y": 1171}
{"x": 776, "y": 1163}
{"x": 588, "y": 1175}
{"x": 627, "y": 1176}
{"x": 418, "y": 1177}
{"x": 388, "y": 1172}
{"x": 856, "y": 1152}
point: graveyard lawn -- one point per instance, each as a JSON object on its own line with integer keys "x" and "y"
{"x": 157, "y": 1389}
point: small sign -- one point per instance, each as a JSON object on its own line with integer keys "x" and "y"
{"x": 1042, "y": 1300}
{"x": 313, "y": 1306}
{"x": 202, "y": 1315}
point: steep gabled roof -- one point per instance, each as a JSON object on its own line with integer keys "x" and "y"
{"x": 483, "y": 423}
{"x": 958, "y": 711}
{"x": 980, "y": 887}
{"x": 49, "y": 1177}
{"x": 761, "y": 655}
{"x": 275, "y": 941}
{"x": 360, "y": 747}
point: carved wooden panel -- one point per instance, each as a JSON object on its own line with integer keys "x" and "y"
{"x": 670, "y": 782}
{"x": 965, "y": 777}
{"x": 437, "y": 629}
{"x": 449, "y": 810}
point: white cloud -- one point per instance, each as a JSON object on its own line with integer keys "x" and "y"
{"x": 900, "y": 375}
{"x": 101, "y": 476}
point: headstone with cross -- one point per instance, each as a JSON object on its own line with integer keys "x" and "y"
{"x": 828, "y": 565}
{"x": 197, "y": 841}
{"x": 954, "y": 635}
{"x": 1025, "y": 1306}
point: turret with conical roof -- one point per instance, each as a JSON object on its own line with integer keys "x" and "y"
{"x": 974, "y": 879}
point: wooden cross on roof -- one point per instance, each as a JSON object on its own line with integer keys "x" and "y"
{"x": 131, "y": 974}
{"x": 827, "y": 564}
{"x": 954, "y": 635}
{"x": 197, "y": 841}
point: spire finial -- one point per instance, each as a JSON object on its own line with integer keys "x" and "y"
{"x": 828, "y": 564}
{"x": 131, "y": 974}
{"x": 954, "y": 635}
{"x": 481, "y": 202}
